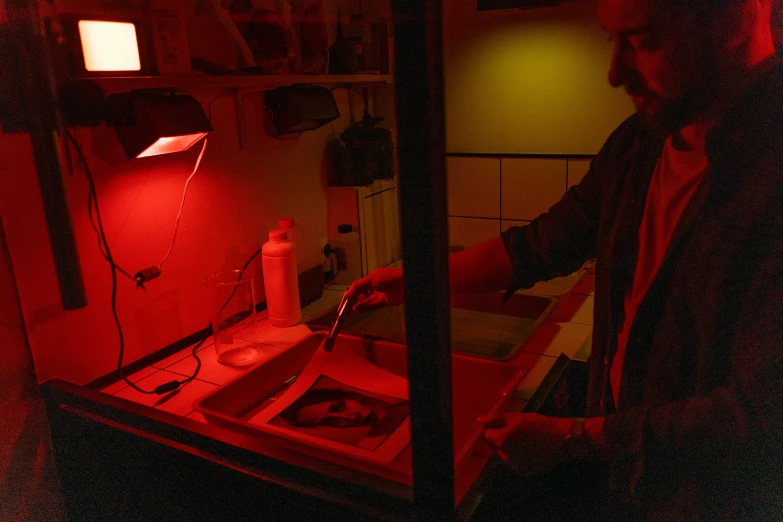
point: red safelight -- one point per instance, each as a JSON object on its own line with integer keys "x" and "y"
{"x": 168, "y": 144}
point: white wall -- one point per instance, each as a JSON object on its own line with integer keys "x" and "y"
{"x": 233, "y": 201}
{"x": 528, "y": 81}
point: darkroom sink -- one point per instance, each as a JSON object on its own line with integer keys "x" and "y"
{"x": 480, "y": 324}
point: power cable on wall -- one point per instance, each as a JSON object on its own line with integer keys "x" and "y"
{"x": 182, "y": 203}
{"x": 106, "y": 253}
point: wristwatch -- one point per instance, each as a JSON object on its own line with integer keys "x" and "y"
{"x": 577, "y": 444}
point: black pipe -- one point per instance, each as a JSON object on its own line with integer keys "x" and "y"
{"x": 421, "y": 155}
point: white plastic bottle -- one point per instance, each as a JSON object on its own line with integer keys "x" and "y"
{"x": 281, "y": 285}
{"x": 292, "y": 230}
{"x": 294, "y": 233}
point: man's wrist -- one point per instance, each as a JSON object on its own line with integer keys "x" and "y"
{"x": 577, "y": 444}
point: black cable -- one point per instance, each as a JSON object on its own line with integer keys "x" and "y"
{"x": 339, "y": 264}
{"x": 110, "y": 259}
{"x": 140, "y": 277}
{"x": 98, "y": 235}
{"x": 209, "y": 328}
{"x": 106, "y": 252}
{"x": 89, "y": 201}
{"x": 171, "y": 385}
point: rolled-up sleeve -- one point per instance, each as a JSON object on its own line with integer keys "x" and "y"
{"x": 559, "y": 241}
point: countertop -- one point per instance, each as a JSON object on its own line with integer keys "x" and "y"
{"x": 566, "y": 330}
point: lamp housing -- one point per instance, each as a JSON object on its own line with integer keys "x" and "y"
{"x": 301, "y": 108}
{"x": 149, "y": 124}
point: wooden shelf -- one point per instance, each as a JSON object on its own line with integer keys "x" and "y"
{"x": 234, "y": 81}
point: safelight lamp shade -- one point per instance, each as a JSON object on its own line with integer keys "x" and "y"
{"x": 301, "y": 108}
{"x": 149, "y": 124}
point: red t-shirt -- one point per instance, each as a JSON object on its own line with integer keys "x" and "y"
{"x": 677, "y": 174}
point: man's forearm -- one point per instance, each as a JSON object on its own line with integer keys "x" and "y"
{"x": 484, "y": 267}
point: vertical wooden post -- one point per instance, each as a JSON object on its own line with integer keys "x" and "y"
{"x": 421, "y": 153}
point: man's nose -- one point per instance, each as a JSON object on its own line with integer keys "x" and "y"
{"x": 618, "y": 67}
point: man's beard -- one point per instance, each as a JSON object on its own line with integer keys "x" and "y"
{"x": 668, "y": 116}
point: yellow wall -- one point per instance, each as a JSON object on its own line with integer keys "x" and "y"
{"x": 528, "y": 81}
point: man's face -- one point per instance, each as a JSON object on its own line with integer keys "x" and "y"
{"x": 339, "y": 413}
{"x": 660, "y": 56}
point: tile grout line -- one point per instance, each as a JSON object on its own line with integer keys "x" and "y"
{"x": 196, "y": 379}
{"x": 134, "y": 382}
{"x": 474, "y": 217}
{"x": 500, "y": 201}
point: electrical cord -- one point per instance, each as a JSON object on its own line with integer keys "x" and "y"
{"x": 110, "y": 259}
{"x": 98, "y": 235}
{"x": 142, "y": 276}
{"x": 106, "y": 251}
{"x": 339, "y": 264}
{"x": 67, "y": 149}
{"x": 182, "y": 203}
{"x": 210, "y": 329}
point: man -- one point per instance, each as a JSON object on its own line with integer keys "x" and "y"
{"x": 683, "y": 211}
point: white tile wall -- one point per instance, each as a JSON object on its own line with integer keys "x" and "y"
{"x": 577, "y": 168}
{"x": 466, "y": 232}
{"x": 506, "y": 224}
{"x": 504, "y": 192}
{"x": 529, "y": 186}
{"x": 473, "y": 187}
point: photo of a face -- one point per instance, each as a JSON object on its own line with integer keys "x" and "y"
{"x": 338, "y": 412}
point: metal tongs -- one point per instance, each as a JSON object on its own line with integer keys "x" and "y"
{"x": 343, "y": 310}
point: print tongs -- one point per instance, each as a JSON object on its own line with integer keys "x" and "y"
{"x": 342, "y": 312}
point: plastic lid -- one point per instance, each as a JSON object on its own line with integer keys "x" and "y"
{"x": 278, "y": 235}
{"x": 286, "y": 223}
{"x": 344, "y": 229}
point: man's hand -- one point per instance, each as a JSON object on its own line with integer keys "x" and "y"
{"x": 381, "y": 287}
{"x": 529, "y": 443}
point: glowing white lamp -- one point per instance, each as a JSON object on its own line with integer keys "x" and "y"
{"x": 109, "y": 46}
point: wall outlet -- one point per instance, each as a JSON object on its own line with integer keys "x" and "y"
{"x": 326, "y": 260}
